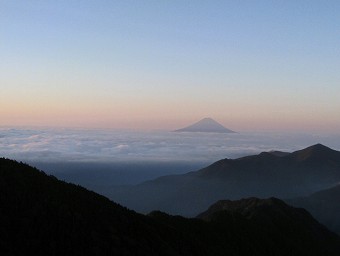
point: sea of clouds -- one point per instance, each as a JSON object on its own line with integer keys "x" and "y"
{"x": 76, "y": 145}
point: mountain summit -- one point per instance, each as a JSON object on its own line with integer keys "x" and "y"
{"x": 316, "y": 153}
{"x": 206, "y": 125}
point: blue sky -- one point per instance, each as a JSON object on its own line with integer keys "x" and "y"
{"x": 252, "y": 65}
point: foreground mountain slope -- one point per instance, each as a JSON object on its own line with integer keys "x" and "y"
{"x": 278, "y": 174}
{"x": 253, "y": 223}
{"x": 324, "y": 206}
{"x": 272, "y": 216}
{"x": 40, "y": 215}
{"x": 48, "y": 217}
{"x": 206, "y": 125}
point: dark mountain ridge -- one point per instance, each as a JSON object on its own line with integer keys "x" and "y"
{"x": 40, "y": 215}
{"x": 247, "y": 207}
{"x": 310, "y": 159}
{"x": 285, "y": 175}
{"x": 271, "y": 216}
{"x": 316, "y": 152}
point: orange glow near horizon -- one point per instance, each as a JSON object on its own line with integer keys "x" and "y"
{"x": 163, "y": 117}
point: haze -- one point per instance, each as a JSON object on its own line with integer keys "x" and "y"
{"x": 251, "y": 65}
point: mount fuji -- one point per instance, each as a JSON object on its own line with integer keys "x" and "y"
{"x": 206, "y": 125}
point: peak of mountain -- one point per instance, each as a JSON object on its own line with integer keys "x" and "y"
{"x": 206, "y": 125}
{"x": 267, "y": 214}
{"x": 316, "y": 151}
{"x": 246, "y": 206}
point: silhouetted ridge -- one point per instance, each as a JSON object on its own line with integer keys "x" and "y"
{"x": 316, "y": 151}
{"x": 272, "y": 216}
{"x": 246, "y": 207}
{"x": 41, "y": 215}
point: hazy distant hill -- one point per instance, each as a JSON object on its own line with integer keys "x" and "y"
{"x": 283, "y": 175}
{"x": 324, "y": 206}
{"x": 40, "y": 215}
{"x": 206, "y": 125}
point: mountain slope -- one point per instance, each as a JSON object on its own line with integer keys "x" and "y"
{"x": 324, "y": 206}
{"x": 48, "y": 217}
{"x": 40, "y": 215}
{"x": 271, "y": 216}
{"x": 206, "y": 125}
{"x": 283, "y": 175}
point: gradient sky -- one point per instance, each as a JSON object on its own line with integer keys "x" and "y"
{"x": 252, "y": 65}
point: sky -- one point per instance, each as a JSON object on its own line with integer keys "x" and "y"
{"x": 251, "y": 65}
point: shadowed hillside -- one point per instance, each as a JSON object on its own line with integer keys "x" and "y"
{"x": 269, "y": 216}
{"x": 324, "y": 206}
{"x": 41, "y": 215}
{"x": 48, "y": 217}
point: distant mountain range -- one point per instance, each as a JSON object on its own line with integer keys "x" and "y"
{"x": 278, "y": 174}
{"x": 206, "y": 125}
{"x": 41, "y": 215}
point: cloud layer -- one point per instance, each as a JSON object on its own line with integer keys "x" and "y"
{"x": 71, "y": 145}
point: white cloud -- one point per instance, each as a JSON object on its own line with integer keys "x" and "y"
{"x": 61, "y": 145}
